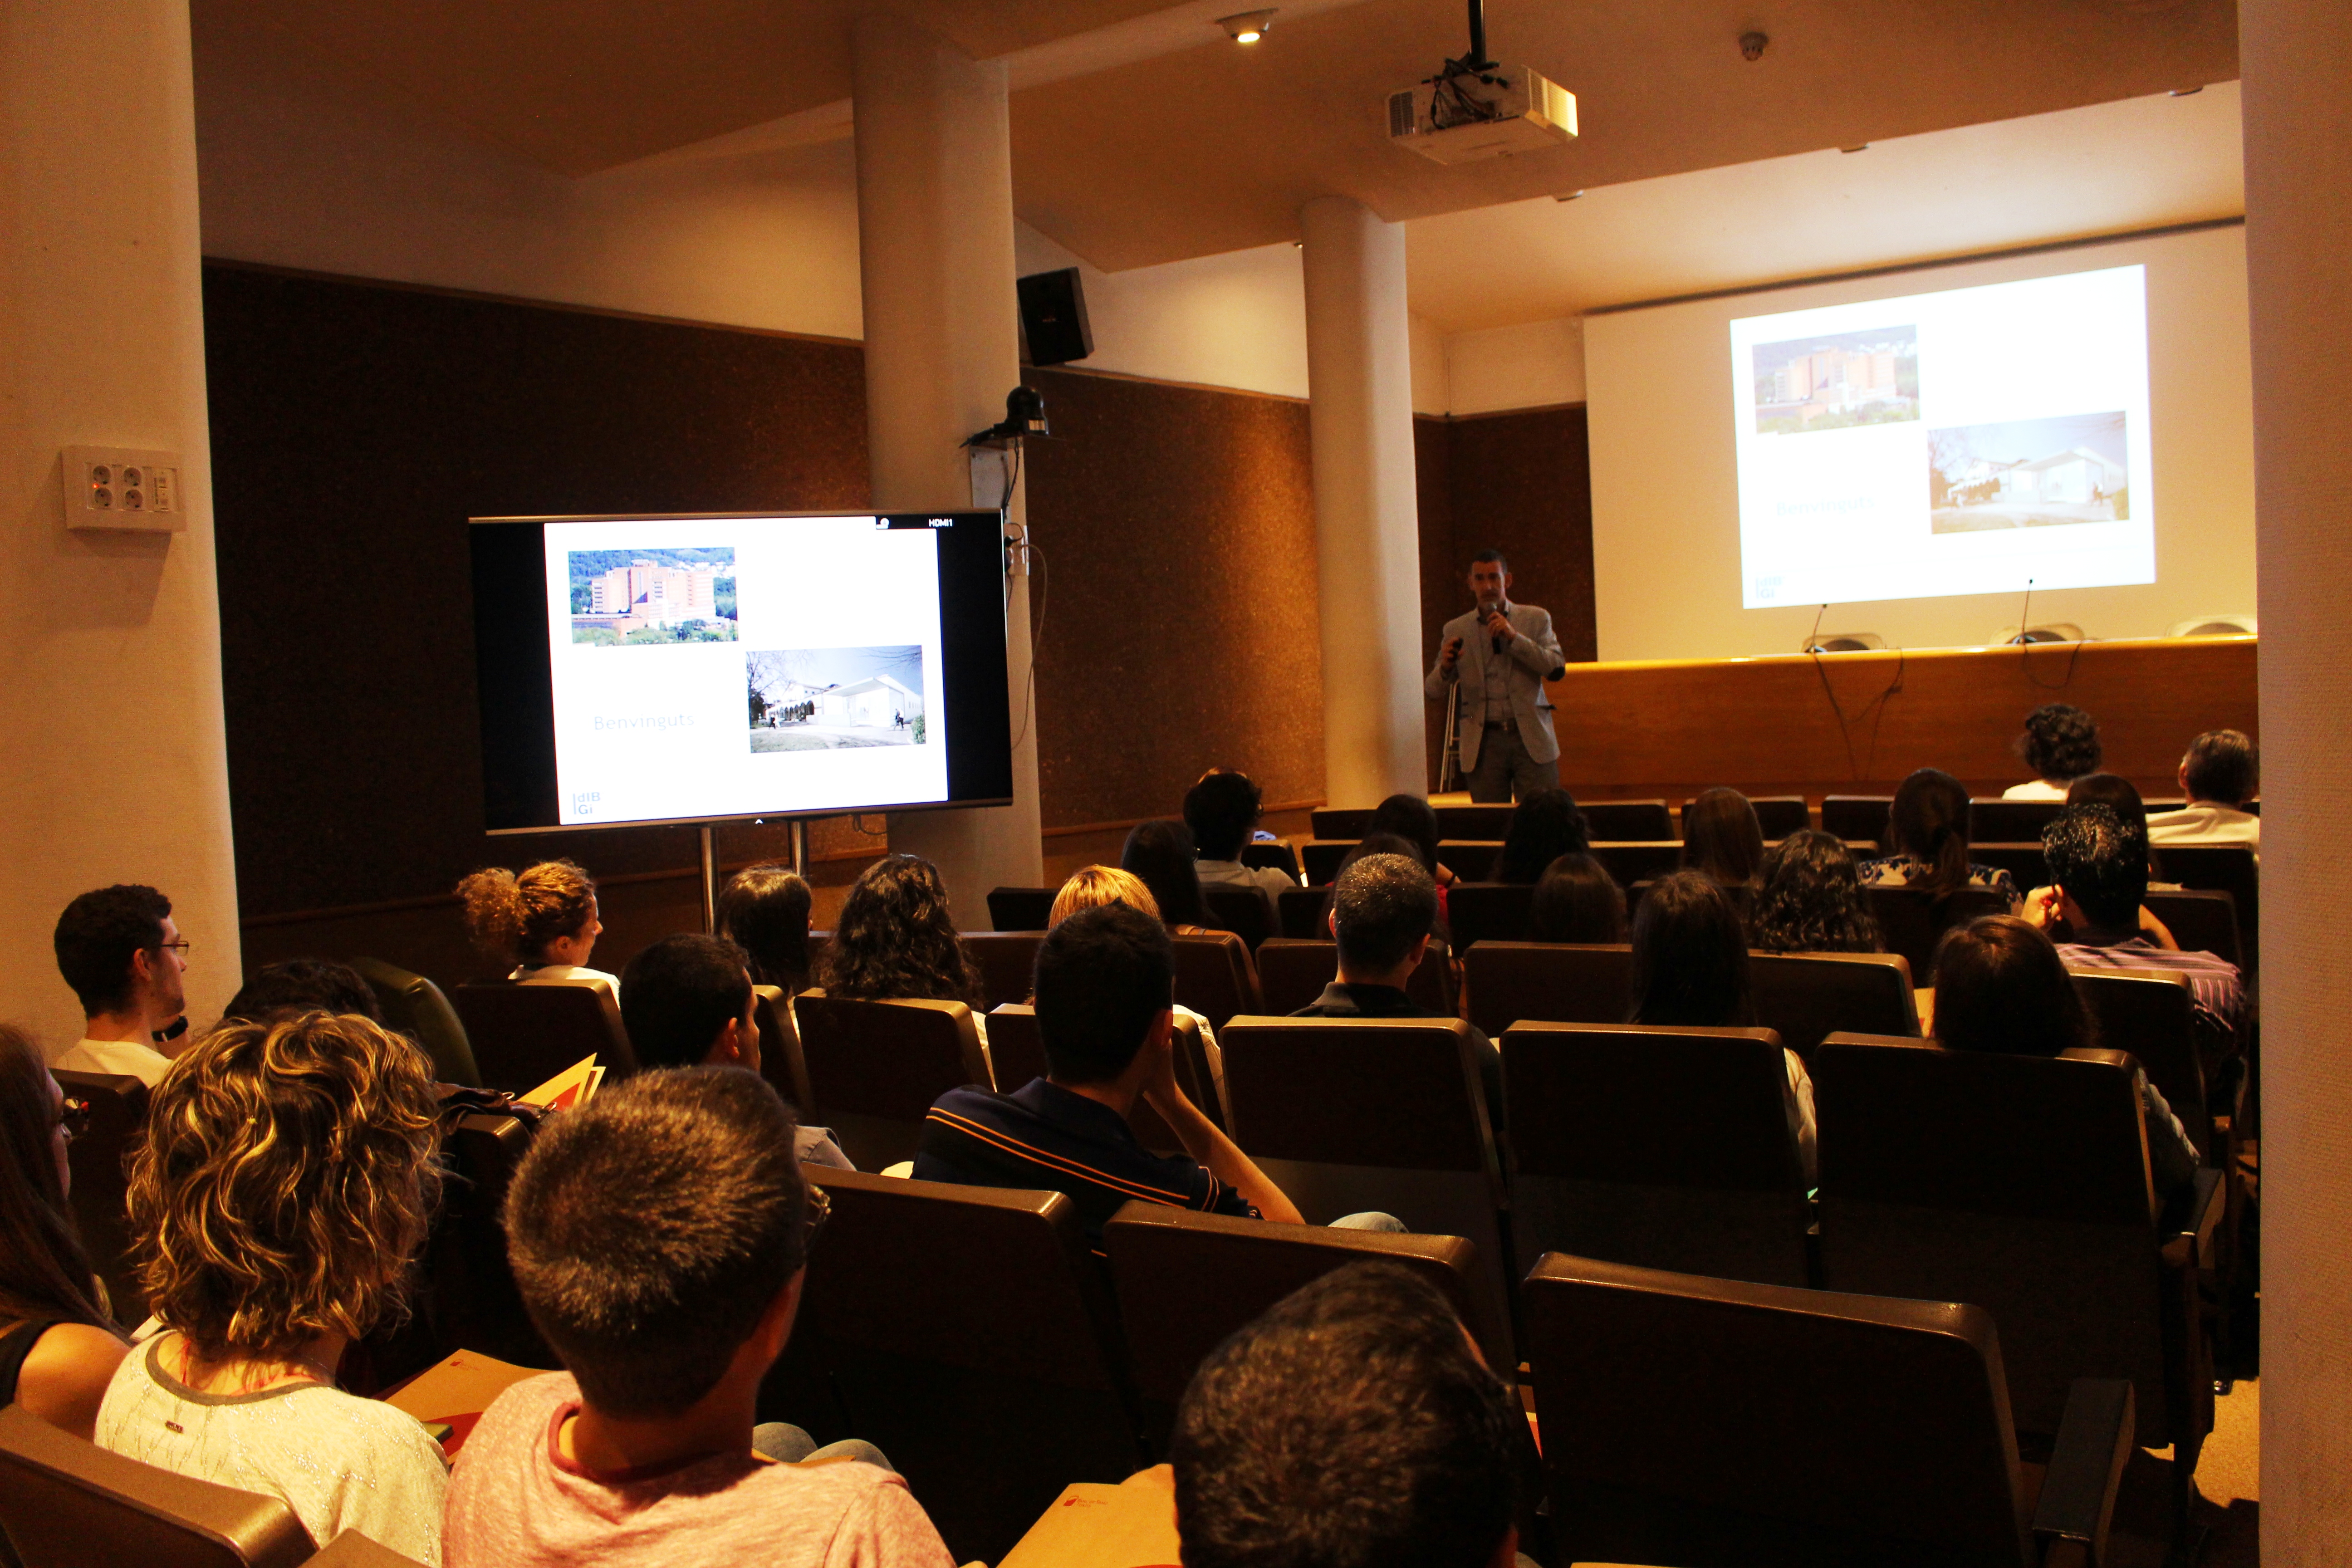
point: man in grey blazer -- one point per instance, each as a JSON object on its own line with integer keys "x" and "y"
{"x": 1493, "y": 661}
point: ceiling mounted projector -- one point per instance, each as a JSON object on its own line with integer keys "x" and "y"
{"x": 1474, "y": 108}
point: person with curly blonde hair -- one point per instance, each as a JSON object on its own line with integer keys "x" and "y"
{"x": 542, "y": 919}
{"x": 276, "y": 1203}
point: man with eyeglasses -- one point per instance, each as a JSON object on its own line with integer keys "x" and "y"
{"x": 118, "y": 949}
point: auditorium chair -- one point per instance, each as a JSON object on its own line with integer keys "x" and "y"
{"x": 2151, "y": 1013}
{"x": 1185, "y": 1282}
{"x": 1778, "y": 815}
{"x": 1016, "y": 1049}
{"x": 1320, "y": 858}
{"x": 1488, "y": 912}
{"x": 353, "y": 1550}
{"x": 1020, "y": 909}
{"x": 1714, "y": 1423}
{"x": 1554, "y": 982}
{"x": 118, "y": 1110}
{"x": 1471, "y": 859}
{"x": 2010, "y": 821}
{"x": 1662, "y": 1147}
{"x": 1293, "y": 973}
{"x": 1305, "y": 913}
{"x": 1007, "y": 962}
{"x": 1347, "y": 1115}
{"x": 1628, "y": 820}
{"x": 466, "y": 1288}
{"x": 1857, "y": 818}
{"x": 1638, "y": 862}
{"x": 1804, "y": 996}
{"x": 2022, "y": 860}
{"x": 1482, "y": 820}
{"x": 524, "y": 1034}
{"x": 1216, "y": 977}
{"x": 1912, "y": 921}
{"x": 1276, "y": 857}
{"x": 2020, "y": 1184}
{"x": 2222, "y": 868}
{"x": 70, "y": 1504}
{"x": 1247, "y": 912}
{"x": 416, "y": 1006}
{"x": 779, "y": 1045}
{"x": 968, "y": 1332}
{"x": 1350, "y": 822}
{"x": 2201, "y": 919}
{"x": 875, "y": 1068}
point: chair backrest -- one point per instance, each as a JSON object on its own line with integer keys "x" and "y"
{"x": 779, "y": 1046}
{"x": 523, "y": 1035}
{"x": 2202, "y": 919}
{"x": 1340, "y": 821}
{"x": 1488, "y": 912}
{"x": 2222, "y": 868}
{"x": 71, "y": 1504}
{"x": 1303, "y": 910}
{"x": 1778, "y": 815}
{"x": 1481, "y": 820}
{"x": 1247, "y": 912}
{"x": 1472, "y": 859}
{"x": 1628, "y": 819}
{"x": 118, "y": 1110}
{"x": 1806, "y": 996}
{"x": 875, "y": 1068}
{"x": 967, "y": 1331}
{"x": 1016, "y": 1049}
{"x": 1216, "y": 977}
{"x": 1020, "y": 909}
{"x": 2022, "y": 860}
{"x": 1995, "y": 821}
{"x": 2151, "y": 1013}
{"x": 1276, "y": 856}
{"x": 1292, "y": 973}
{"x": 1320, "y": 858}
{"x": 1913, "y": 920}
{"x": 1563, "y": 983}
{"x": 1706, "y": 1421}
{"x": 1007, "y": 962}
{"x": 469, "y": 1284}
{"x": 2020, "y": 1184}
{"x": 416, "y": 1006}
{"x": 1639, "y": 860}
{"x": 1856, "y": 818}
{"x": 1668, "y": 1148}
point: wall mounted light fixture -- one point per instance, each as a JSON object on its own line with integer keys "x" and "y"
{"x": 1247, "y": 26}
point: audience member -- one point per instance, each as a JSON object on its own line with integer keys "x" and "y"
{"x": 542, "y": 919}
{"x": 123, "y": 956}
{"x": 764, "y": 910}
{"x": 2001, "y": 986}
{"x": 1810, "y": 898}
{"x": 1412, "y": 818}
{"x": 2220, "y": 774}
{"x": 1690, "y": 971}
{"x": 1546, "y": 826}
{"x": 1220, "y": 810}
{"x": 2061, "y": 744}
{"x": 1578, "y": 900}
{"x": 1104, "y": 979}
{"x": 1722, "y": 838}
{"x": 1354, "y": 1424}
{"x": 1090, "y": 888}
{"x": 1159, "y": 854}
{"x": 58, "y": 1348}
{"x": 1386, "y": 843}
{"x": 896, "y": 940}
{"x": 1927, "y": 839}
{"x": 2122, "y": 796}
{"x": 302, "y": 985}
{"x": 642, "y": 1451}
{"x": 276, "y": 1205}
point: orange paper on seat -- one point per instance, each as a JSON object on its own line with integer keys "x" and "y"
{"x": 1091, "y": 1525}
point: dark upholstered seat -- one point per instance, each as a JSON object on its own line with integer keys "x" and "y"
{"x": 1020, "y": 909}
{"x": 1554, "y": 982}
{"x": 416, "y": 1007}
{"x": 1248, "y": 912}
{"x": 118, "y": 1110}
{"x": 1778, "y": 815}
{"x": 1628, "y": 820}
{"x": 1216, "y": 977}
{"x": 1857, "y": 818}
{"x": 523, "y": 1035}
{"x": 1292, "y": 973}
{"x": 1912, "y": 921}
{"x": 1488, "y": 912}
{"x": 1017, "y": 1050}
{"x": 1007, "y": 962}
{"x": 875, "y": 1068}
{"x": 2010, "y": 821}
{"x": 1806, "y": 996}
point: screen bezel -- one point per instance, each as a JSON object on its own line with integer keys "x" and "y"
{"x": 515, "y": 694}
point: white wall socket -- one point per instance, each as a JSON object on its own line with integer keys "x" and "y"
{"x": 121, "y": 489}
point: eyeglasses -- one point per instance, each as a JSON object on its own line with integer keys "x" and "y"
{"x": 180, "y": 947}
{"x": 73, "y": 1118}
{"x": 820, "y": 1209}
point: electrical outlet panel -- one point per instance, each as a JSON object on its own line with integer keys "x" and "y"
{"x": 121, "y": 489}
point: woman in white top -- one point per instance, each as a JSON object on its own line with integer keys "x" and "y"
{"x": 276, "y": 1202}
{"x": 2061, "y": 744}
{"x": 542, "y": 919}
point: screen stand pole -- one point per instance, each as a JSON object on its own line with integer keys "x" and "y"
{"x": 709, "y": 884}
{"x": 800, "y": 846}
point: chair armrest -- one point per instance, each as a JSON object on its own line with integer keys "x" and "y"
{"x": 2087, "y": 1465}
{"x": 2186, "y": 1226}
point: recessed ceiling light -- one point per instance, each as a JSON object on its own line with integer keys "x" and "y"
{"x": 1247, "y": 26}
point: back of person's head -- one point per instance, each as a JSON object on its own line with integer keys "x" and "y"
{"x": 1412, "y": 818}
{"x": 1220, "y": 810}
{"x": 2114, "y": 792}
{"x": 1722, "y": 838}
{"x": 2100, "y": 862}
{"x": 2061, "y": 742}
{"x": 676, "y": 996}
{"x": 1547, "y": 825}
{"x": 1929, "y": 822}
{"x": 895, "y": 939}
{"x": 764, "y": 910}
{"x": 1372, "y": 844}
{"x": 651, "y": 1228}
{"x": 97, "y": 936}
{"x": 1091, "y": 886}
{"x": 1578, "y": 900}
{"x": 1103, "y": 976}
{"x": 1810, "y": 898}
{"x": 1380, "y": 906}
{"x": 303, "y": 985}
{"x": 1690, "y": 956}
{"x": 44, "y": 1272}
{"x": 1160, "y": 852}
{"x": 284, "y": 1182}
{"x": 2000, "y": 986}
{"x": 2221, "y": 766}
{"x": 1352, "y": 1426}
{"x": 512, "y": 917}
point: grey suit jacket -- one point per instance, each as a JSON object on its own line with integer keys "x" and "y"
{"x": 1532, "y": 653}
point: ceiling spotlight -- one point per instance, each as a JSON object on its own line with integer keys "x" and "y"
{"x": 1247, "y": 26}
{"x": 1751, "y": 46}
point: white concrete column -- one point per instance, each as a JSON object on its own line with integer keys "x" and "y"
{"x": 942, "y": 348}
{"x": 1367, "y": 527}
{"x": 2298, "y": 142}
{"x": 112, "y": 763}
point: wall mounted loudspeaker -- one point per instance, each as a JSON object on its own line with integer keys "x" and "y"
{"x": 1054, "y": 317}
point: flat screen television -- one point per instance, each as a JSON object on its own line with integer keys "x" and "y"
{"x": 699, "y": 669}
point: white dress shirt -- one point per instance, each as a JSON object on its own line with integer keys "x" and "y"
{"x": 123, "y": 1059}
{"x": 2205, "y": 822}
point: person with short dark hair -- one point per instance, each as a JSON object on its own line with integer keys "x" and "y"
{"x": 1492, "y": 662}
{"x": 2220, "y": 774}
{"x": 1928, "y": 841}
{"x": 1353, "y": 1425}
{"x": 1576, "y": 902}
{"x": 1160, "y": 853}
{"x": 659, "y": 1235}
{"x": 1722, "y": 838}
{"x": 2061, "y": 744}
{"x": 302, "y": 985}
{"x": 1220, "y": 810}
{"x": 123, "y": 956}
{"x": 764, "y": 910}
{"x": 1547, "y": 825}
{"x": 1810, "y": 898}
{"x": 2001, "y": 986}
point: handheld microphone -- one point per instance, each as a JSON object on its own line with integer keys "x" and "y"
{"x": 1495, "y": 642}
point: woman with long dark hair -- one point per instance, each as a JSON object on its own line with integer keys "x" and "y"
{"x": 1810, "y": 898}
{"x": 764, "y": 910}
{"x": 1160, "y": 853}
{"x": 1576, "y": 901}
{"x": 1548, "y": 824}
{"x": 1722, "y": 838}
{"x": 1928, "y": 841}
{"x": 896, "y": 940}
